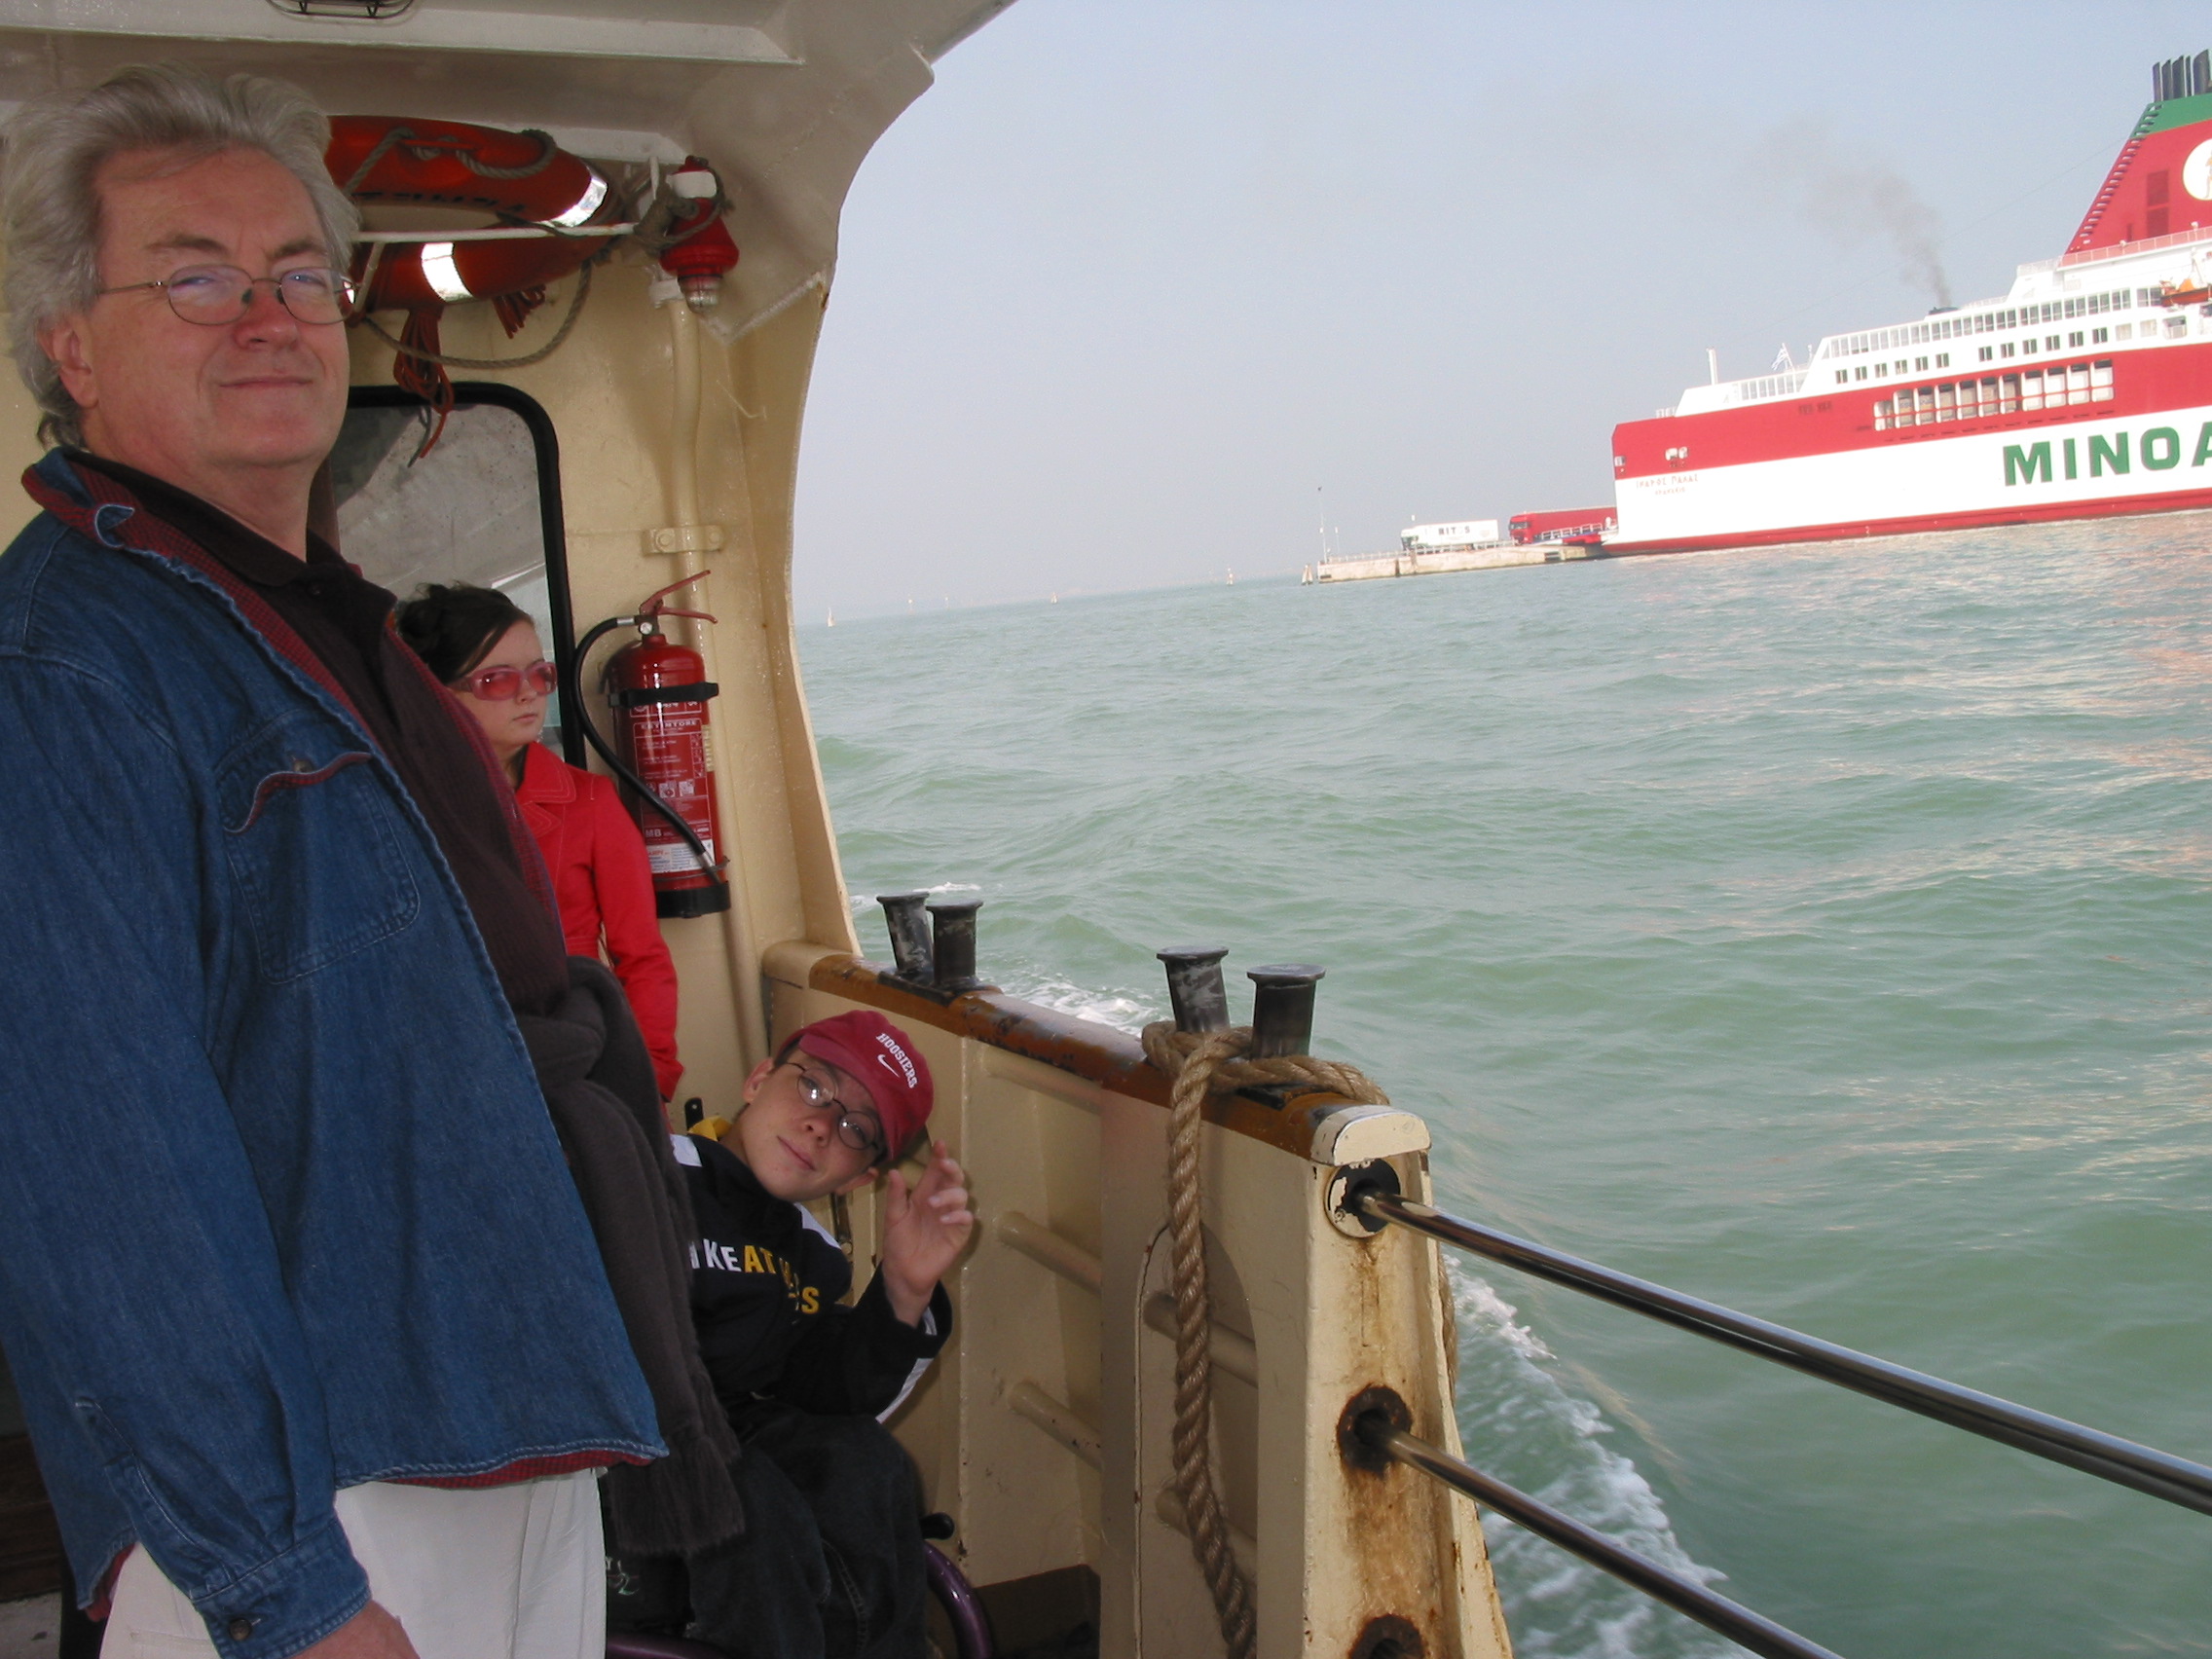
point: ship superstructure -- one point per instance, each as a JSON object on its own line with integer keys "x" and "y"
{"x": 2085, "y": 390}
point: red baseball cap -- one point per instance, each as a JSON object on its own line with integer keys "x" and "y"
{"x": 883, "y": 1060}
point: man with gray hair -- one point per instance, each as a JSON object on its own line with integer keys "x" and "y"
{"x": 270, "y": 1130}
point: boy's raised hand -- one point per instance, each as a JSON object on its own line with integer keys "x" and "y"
{"x": 924, "y": 1231}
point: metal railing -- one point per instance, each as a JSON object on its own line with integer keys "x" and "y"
{"x": 2119, "y": 250}
{"x": 1737, "y": 1622}
{"x": 2125, "y": 1462}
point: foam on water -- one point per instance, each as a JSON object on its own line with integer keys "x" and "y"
{"x": 1522, "y": 1423}
{"x": 1126, "y": 1011}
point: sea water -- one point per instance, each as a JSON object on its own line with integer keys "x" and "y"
{"x": 1823, "y": 932}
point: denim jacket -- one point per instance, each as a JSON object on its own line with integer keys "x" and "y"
{"x": 280, "y": 1208}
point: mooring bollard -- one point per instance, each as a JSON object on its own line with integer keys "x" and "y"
{"x": 1193, "y": 987}
{"x": 953, "y": 944}
{"x": 910, "y": 954}
{"x": 1282, "y": 1008}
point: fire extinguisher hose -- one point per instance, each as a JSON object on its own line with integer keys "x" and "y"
{"x": 572, "y": 702}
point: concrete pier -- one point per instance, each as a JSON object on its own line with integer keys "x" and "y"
{"x": 1439, "y": 560}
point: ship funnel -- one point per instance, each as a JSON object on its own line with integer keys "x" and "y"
{"x": 2153, "y": 189}
{"x": 2181, "y": 78}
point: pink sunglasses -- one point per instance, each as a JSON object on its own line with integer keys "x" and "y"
{"x": 499, "y": 684}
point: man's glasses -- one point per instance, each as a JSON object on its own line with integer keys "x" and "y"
{"x": 215, "y": 295}
{"x": 498, "y": 685}
{"x": 856, "y": 1129}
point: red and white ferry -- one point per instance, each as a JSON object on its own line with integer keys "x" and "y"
{"x": 2086, "y": 390}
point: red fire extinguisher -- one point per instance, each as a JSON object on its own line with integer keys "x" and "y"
{"x": 659, "y": 691}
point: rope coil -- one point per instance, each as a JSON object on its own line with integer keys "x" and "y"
{"x": 1199, "y": 1064}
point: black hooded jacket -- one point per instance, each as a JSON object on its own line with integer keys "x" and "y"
{"x": 767, "y": 1280}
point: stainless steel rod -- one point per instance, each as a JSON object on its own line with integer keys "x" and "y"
{"x": 1733, "y": 1620}
{"x": 2125, "y": 1462}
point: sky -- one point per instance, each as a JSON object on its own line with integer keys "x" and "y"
{"x": 1145, "y": 291}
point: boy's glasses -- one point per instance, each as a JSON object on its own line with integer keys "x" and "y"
{"x": 215, "y": 295}
{"x": 498, "y": 685}
{"x": 856, "y": 1129}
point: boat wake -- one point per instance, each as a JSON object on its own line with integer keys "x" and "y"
{"x": 1522, "y": 1423}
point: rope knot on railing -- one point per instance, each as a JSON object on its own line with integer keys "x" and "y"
{"x": 1217, "y": 1058}
{"x": 1198, "y": 1063}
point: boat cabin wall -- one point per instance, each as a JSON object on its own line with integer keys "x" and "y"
{"x": 678, "y": 444}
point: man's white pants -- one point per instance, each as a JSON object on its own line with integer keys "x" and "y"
{"x": 499, "y": 1572}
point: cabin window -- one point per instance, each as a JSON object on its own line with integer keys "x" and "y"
{"x": 2176, "y": 325}
{"x": 1863, "y": 371}
{"x": 1842, "y": 376}
{"x": 2078, "y": 382}
{"x": 1942, "y": 359}
{"x": 1988, "y": 352}
{"x": 2100, "y": 381}
{"x": 2125, "y": 331}
{"x": 483, "y": 506}
{"x": 2031, "y": 390}
{"x": 1881, "y": 371}
{"x": 2098, "y": 336}
{"x": 1919, "y": 364}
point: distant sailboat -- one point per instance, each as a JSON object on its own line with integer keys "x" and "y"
{"x": 1233, "y": 577}
{"x": 833, "y": 621}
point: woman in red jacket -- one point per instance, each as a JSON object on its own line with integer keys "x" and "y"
{"x": 486, "y": 650}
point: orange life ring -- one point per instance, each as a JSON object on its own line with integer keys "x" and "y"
{"x": 520, "y": 178}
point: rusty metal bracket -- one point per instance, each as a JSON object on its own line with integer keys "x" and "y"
{"x": 1343, "y": 1199}
{"x": 1380, "y": 1401}
{"x": 1386, "y": 1636}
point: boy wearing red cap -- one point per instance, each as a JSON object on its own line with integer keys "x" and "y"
{"x": 830, "y": 1564}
